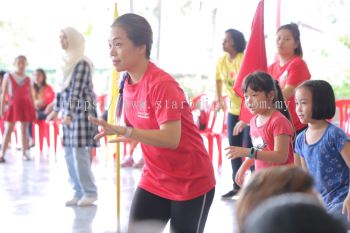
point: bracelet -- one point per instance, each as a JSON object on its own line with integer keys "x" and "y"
{"x": 256, "y": 154}
{"x": 128, "y": 132}
{"x": 252, "y": 153}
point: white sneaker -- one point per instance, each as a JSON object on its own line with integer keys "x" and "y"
{"x": 26, "y": 156}
{"x": 86, "y": 201}
{"x": 73, "y": 201}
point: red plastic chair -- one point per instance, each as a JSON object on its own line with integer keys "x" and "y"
{"x": 220, "y": 130}
{"x": 44, "y": 132}
{"x": 343, "y": 106}
{"x": 203, "y": 103}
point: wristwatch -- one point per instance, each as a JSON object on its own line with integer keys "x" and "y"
{"x": 128, "y": 131}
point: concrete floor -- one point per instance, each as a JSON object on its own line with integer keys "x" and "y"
{"x": 32, "y": 196}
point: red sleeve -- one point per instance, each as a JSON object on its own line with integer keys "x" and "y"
{"x": 281, "y": 125}
{"x": 270, "y": 69}
{"x": 297, "y": 73}
{"x": 48, "y": 95}
{"x": 167, "y": 100}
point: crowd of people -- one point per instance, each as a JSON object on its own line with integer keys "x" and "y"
{"x": 289, "y": 145}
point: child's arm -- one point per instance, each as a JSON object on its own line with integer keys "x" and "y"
{"x": 32, "y": 91}
{"x": 346, "y": 156}
{"x": 278, "y": 155}
{"x": 240, "y": 175}
{"x": 3, "y": 94}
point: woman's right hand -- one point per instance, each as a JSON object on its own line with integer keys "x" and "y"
{"x": 107, "y": 129}
{"x": 240, "y": 175}
{"x": 48, "y": 109}
{"x": 238, "y": 128}
{"x": 52, "y": 116}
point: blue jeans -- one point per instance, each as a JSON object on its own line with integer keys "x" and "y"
{"x": 242, "y": 139}
{"x": 79, "y": 169}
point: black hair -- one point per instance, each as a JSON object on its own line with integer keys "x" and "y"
{"x": 292, "y": 213}
{"x": 138, "y": 30}
{"x": 262, "y": 81}
{"x": 43, "y": 73}
{"x": 294, "y": 29}
{"x": 2, "y": 73}
{"x": 238, "y": 39}
{"x": 323, "y": 99}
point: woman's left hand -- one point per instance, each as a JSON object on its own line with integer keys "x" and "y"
{"x": 66, "y": 120}
{"x": 346, "y": 207}
{"x": 234, "y": 152}
{"x": 239, "y": 127}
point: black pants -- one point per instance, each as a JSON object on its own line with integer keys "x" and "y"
{"x": 242, "y": 139}
{"x": 150, "y": 213}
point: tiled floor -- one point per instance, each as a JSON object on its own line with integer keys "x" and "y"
{"x": 33, "y": 193}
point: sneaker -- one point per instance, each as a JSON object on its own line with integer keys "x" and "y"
{"x": 139, "y": 164}
{"x": 230, "y": 194}
{"x": 128, "y": 162}
{"x": 26, "y": 156}
{"x": 86, "y": 201}
{"x": 72, "y": 202}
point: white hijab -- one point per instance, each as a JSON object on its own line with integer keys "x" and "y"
{"x": 72, "y": 56}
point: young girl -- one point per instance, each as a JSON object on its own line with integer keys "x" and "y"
{"x": 324, "y": 149}
{"x": 270, "y": 129}
{"x": 17, "y": 89}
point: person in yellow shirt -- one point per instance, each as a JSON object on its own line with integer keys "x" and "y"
{"x": 226, "y": 72}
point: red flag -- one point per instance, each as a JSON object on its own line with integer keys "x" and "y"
{"x": 254, "y": 57}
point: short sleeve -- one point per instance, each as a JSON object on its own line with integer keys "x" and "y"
{"x": 281, "y": 125}
{"x": 339, "y": 137}
{"x": 48, "y": 95}
{"x": 168, "y": 101}
{"x": 218, "y": 67}
{"x": 299, "y": 143}
{"x": 297, "y": 73}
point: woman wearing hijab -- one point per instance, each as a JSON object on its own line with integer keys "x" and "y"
{"x": 76, "y": 100}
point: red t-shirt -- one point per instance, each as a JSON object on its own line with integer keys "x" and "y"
{"x": 263, "y": 137}
{"x": 177, "y": 174}
{"x": 293, "y": 73}
{"x": 47, "y": 94}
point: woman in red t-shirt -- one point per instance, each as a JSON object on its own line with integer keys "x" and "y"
{"x": 43, "y": 93}
{"x": 177, "y": 181}
{"x": 290, "y": 69}
{"x": 43, "y": 96}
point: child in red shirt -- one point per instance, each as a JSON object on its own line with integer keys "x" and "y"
{"x": 17, "y": 89}
{"x": 270, "y": 129}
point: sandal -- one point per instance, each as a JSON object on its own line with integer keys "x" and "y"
{"x": 2, "y": 160}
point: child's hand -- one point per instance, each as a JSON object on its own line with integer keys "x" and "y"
{"x": 234, "y": 152}
{"x": 240, "y": 175}
{"x": 346, "y": 207}
{"x": 52, "y": 116}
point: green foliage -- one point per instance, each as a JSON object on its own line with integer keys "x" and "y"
{"x": 342, "y": 91}
{"x": 89, "y": 29}
{"x": 345, "y": 40}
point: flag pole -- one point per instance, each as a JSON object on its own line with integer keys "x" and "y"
{"x": 113, "y": 93}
